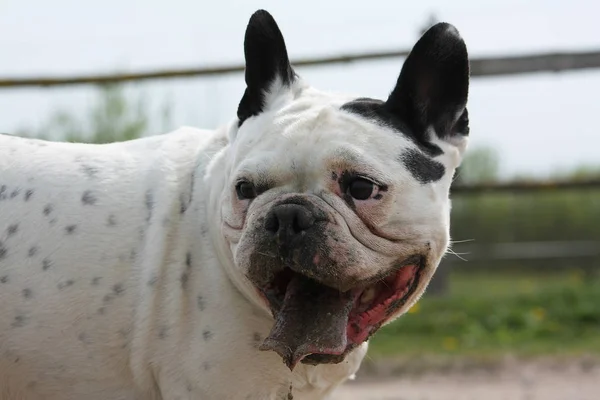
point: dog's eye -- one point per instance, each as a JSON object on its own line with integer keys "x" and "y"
{"x": 361, "y": 189}
{"x": 245, "y": 190}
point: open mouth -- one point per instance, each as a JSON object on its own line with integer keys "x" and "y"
{"x": 317, "y": 324}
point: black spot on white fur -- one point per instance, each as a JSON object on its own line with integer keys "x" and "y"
{"x": 28, "y": 194}
{"x": 422, "y": 167}
{"x": 46, "y": 263}
{"x": 32, "y": 251}
{"x": 47, "y": 209}
{"x": 183, "y": 204}
{"x": 70, "y": 229}
{"x": 27, "y": 293}
{"x": 20, "y": 321}
{"x": 88, "y": 198}
{"x": 149, "y": 202}
{"x": 4, "y": 279}
{"x": 96, "y": 280}
{"x": 3, "y": 251}
{"x": 185, "y": 275}
{"x": 118, "y": 289}
{"x": 186, "y": 199}
{"x": 12, "y": 229}
{"x": 207, "y": 335}
{"x": 163, "y": 332}
{"x": 65, "y": 284}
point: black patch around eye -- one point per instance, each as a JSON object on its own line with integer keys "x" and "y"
{"x": 423, "y": 168}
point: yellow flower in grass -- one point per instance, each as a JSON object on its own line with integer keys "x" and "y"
{"x": 414, "y": 309}
{"x": 539, "y": 313}
{"x": 450, "y": 343}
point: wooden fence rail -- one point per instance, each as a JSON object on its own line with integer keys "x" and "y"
{"x": 480, "y": 67}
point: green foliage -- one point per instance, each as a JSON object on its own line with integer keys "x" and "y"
{"x": 548, "y": 215}
{"x": 112, "y": 118}
{"x": 582, "y": 172}
{"x": 480, "y": 165}
{"x": 496, "y": 313}
{"x": 571, "y": 215}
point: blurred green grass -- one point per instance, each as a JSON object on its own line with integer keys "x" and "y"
{"x": 492, "y": 314}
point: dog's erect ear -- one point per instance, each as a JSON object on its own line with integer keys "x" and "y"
{"x": 267, "y": 64}
{"x": 433, "y": 85}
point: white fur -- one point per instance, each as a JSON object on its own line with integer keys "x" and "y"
{"x": 295, "y": 141}
{"x": 110, "y": 308}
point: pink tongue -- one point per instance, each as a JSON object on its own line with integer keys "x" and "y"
{"x": 312, "y": 320}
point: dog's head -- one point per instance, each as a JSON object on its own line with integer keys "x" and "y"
{"x": 336, "y": 208}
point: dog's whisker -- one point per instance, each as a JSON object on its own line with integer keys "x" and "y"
{"x": 461, "y": 241}
{"x": 458, "y": 255}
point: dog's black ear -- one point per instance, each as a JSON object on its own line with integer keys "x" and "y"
{"x": 433, "y": 85}
{"x": 267, "y": 63}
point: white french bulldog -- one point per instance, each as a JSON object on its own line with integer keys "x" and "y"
{"x": 190, "y": 265}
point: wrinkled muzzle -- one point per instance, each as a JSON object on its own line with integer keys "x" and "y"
{"x": 301, "y": 263}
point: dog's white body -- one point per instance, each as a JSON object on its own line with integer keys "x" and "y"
{"x": 109, "y": 291}
{"x": 156, "y": 268}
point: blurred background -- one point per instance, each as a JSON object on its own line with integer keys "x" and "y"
{"x": 514, "y": 311}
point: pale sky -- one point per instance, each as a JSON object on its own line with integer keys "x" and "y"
{"x": 539, "y": 123}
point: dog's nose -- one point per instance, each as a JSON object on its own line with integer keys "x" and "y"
{"x": 288, "y": 220}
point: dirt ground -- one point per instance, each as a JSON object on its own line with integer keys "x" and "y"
{"x": 518, "y": 381}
